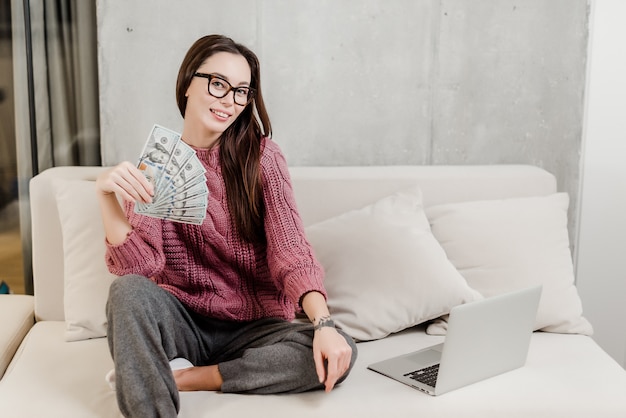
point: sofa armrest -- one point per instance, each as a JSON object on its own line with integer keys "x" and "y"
{"x": 18, "y": 317}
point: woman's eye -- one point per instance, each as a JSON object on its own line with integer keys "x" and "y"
{"x": 218, "y": 84}
{"x": 242, "y": 92}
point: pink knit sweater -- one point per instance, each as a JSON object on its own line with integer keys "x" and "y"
{"x": 210, "y": 269}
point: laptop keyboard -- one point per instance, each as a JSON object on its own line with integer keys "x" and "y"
{"x": 427, "y": 375}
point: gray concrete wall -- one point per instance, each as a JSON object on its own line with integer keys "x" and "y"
{"x": 366, "y": 82}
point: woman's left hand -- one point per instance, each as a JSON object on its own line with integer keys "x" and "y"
{"x": 332, "y": 355}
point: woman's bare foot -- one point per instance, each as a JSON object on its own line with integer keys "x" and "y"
{"x": 198, "y": 378}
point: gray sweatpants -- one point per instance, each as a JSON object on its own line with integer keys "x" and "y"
{"x": 148, "y": 327}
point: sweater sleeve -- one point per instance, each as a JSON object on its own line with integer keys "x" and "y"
{"x": 290, "y": 256}
{"x": 142, "y": 251}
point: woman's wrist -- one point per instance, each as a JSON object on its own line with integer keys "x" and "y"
{"x": 314, "y": 305}
{"x": 324, "y": 321}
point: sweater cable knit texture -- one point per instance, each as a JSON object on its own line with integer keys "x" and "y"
{"x": 209, "y": 268}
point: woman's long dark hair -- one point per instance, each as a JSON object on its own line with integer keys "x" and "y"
{"x": 240, "y": 144}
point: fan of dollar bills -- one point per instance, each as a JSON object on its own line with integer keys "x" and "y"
{"x": 180, "y": 190}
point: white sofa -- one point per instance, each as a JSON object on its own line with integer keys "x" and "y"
{"x": 489, "y": 228}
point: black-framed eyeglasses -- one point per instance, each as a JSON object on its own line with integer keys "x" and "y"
{"x": 218, "y": 87}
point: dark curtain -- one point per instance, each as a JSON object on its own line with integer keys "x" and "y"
{"x": 73, "y": 135}
{"x": 56, "y": 94}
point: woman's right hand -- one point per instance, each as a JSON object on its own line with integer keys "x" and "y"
{"x": 127, "y": 181}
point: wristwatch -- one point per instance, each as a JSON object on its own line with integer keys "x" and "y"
{"x": 324, "y": 322}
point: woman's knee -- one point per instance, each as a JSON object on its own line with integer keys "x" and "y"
{"x": 129, "y": 286}
{"x": 130, "y": 291}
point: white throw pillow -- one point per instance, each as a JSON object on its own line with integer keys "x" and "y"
{"x": 503, "y": 245}
{"x": 87, "y": 278}
{"x": 384, "y": 269}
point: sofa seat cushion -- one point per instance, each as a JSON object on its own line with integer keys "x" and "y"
{"x": 55, "y": 378}
{"x": 546, "y": 387}
{"x": 17, "y": 313}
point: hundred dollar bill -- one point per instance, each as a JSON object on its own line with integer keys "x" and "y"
{"x": 191, "y": 174}
{"x": 156, "y": 154}
{"x": 181, "y": 192}
{"x": 181, "y": 154}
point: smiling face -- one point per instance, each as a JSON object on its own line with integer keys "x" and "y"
{"x": 206, "y": 116}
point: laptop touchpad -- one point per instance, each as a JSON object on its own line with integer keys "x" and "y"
{"x": 426, "y": 357}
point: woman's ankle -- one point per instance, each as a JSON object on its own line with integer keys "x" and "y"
{"x": 199, "y": 378}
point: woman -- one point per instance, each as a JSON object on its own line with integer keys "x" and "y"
{"x": 221, "y": 294}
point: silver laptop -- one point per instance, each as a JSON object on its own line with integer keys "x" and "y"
{"x": 485, "y": 338}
